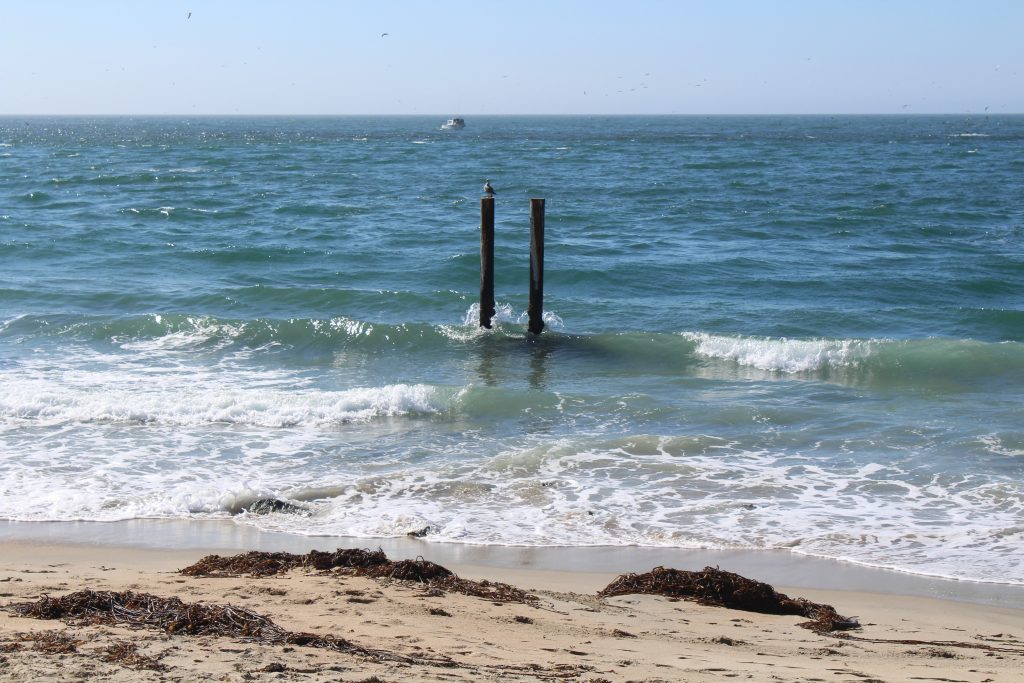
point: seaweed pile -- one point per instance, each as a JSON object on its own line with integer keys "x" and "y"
{"x": 423, "y": 571}
{"x": 359, "y": 562}
{"x": 495, "y": 591}
{"x": 171, "y": 615}
{"x": 259, "y": 563}
{"x": 715, "y": 587}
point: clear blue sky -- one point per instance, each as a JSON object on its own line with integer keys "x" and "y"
{"x": 448, "y": 57}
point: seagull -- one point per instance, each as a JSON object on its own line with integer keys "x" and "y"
{"x": 488, "y": 189}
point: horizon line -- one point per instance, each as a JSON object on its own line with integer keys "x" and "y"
{"x": 445, "y": 116}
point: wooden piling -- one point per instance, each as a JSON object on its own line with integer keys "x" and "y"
{"x": 486, "y": 261}
{"x": 536, "y": 309}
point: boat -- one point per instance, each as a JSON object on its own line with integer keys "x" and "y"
{"x": 454, "y": 124}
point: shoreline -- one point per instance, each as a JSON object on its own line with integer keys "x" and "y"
{"x": 393, "y": 631}
{"x": 785, "y": 570}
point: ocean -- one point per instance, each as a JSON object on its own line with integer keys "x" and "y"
{"x": 797, "y": 333}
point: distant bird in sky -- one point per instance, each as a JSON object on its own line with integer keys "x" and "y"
{"x": 488, "y": 189}
{"x": 384, "y": 34}
{"x": 189, "y": 16}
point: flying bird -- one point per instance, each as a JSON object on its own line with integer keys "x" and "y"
{"x": 488, "y": 189}
{"x": 189, "y": 16}
{"x": 384, "y": 34}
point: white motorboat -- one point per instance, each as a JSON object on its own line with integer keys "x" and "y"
{"x": 454, "y": 124}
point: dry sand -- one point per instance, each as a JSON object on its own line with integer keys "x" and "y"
{"x": 572, "y": 636}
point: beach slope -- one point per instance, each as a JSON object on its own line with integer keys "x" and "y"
{"x": 398, "y": 631}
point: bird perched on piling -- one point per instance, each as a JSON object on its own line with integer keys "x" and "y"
{"x": 488, "y": 189}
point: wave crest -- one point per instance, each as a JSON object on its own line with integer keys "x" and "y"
{"x": 48, "y": 403}
{"x": 783, "y": 355}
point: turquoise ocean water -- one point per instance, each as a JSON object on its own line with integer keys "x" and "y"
{"x": 800, "y": 333}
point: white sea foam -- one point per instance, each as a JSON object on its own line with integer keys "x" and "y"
{"x": 194, "y": 332}
{"x": 470, "y": 328}
{"x": 997, "y": 445}
{"x": 696, "y": 490}
{"x": 560, "y": 494}
{"x": 782, "y": 355}
{"x": 550, "y": 319}
{"x": 169, "y": 397}
{"x": 504, "y": 314}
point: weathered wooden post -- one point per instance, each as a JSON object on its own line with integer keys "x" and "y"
{"x": 536, "y": 309}
{"x": 486, "y": 261}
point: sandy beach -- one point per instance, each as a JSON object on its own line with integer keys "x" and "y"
{"x": 401, "y": 631}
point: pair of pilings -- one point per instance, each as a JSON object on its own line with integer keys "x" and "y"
{"x": 535, "y": 312}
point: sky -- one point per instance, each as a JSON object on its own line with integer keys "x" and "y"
{"x": 455, "y": 57}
